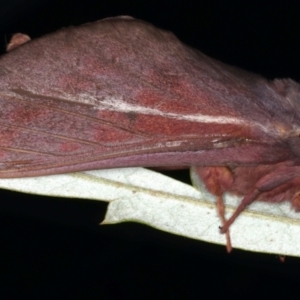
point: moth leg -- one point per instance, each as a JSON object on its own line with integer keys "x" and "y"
{"x": 248, "y": 199}
{"x": 278, "y": 185}
{"x": 221, "y": 212}
{"x": 217, "y": 181}
{"x": 296, "y": 201}
{"x": 17, "y": 40}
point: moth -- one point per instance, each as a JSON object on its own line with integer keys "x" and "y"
{"x": 120, "y": 92}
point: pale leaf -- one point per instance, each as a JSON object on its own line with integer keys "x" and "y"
{"x": 141, "y": 195}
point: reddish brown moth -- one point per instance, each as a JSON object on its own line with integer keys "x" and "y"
{"x": 120, "y": 92}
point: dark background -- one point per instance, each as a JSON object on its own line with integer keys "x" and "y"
{"x": 53, "y": 248}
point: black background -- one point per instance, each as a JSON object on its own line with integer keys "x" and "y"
{"x": 53, "y": 248}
